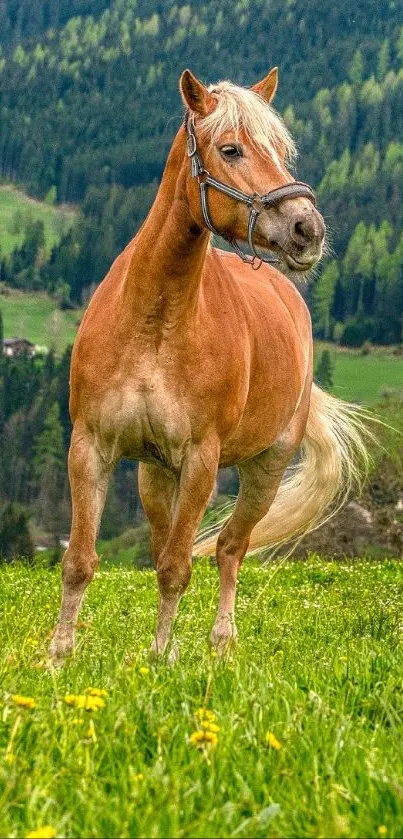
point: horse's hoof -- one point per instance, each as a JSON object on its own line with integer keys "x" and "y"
{"x": 171, "y": 656}
{"x": 60, "y": 648}
{"x": 223, "y": 638}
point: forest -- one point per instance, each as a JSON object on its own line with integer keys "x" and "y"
{"x": 89, "y": 105}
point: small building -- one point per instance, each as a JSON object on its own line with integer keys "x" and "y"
{"x": 18, "y": 346}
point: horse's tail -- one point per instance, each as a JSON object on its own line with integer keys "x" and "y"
{"x": 333, "y": 459}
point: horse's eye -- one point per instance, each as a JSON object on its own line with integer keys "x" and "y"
{"x": 231, "y": 152}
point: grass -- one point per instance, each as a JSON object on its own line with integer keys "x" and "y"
{"x": 319, "y": 665}
{"x": 36, "y": 317}
{"x": 363, "y": 378}
{"x": 17, "y": 209}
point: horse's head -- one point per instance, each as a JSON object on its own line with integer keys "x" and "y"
{"x": 236, "y": 139}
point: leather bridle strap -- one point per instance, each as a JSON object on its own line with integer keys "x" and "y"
{"x": 256, "y": 202}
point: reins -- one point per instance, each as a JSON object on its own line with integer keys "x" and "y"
{"x": 256, "y": 202}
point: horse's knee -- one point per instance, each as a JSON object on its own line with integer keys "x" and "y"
{"x": 231, "y": 547}
{"x": 173, "y": 576}
{"x": 79, "y": 567}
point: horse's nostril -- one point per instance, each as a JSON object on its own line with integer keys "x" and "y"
{"x": 299, "y": 229}
{"x": 304, "y": 231}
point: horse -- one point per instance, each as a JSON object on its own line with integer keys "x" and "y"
{"x": 190, "y": 358}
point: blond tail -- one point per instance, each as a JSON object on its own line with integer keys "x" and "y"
{"x": 333, "y": 460}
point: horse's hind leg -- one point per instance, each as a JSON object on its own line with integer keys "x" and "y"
{"x": 260, "y": 479}
{"x": 88, "y": 481}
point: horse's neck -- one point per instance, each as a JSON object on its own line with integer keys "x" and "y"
{"x": 163, "y": 279}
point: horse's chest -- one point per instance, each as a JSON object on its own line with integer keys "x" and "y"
{"x": 146, "y": 421}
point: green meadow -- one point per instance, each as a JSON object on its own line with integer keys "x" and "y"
{"x": 17, "y": 210}
{"x": 304, "y": 718}
{"x": 37, "y": 317}
{"x": 364, "y": 378}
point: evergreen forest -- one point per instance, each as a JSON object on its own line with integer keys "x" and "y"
{"x": 89, "y": 105}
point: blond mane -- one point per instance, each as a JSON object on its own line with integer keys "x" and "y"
{"x": 241, "y": 108}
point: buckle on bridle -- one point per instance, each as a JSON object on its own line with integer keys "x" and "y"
{"x": 257, "y": 203}
{"x": 202, "y": 176}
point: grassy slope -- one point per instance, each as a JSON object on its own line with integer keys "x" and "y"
{"x": 319, "y": 664}
{"x": 36, "y": 317}
{"x": 363, "y": 378}
{"x": 56, "y": 220}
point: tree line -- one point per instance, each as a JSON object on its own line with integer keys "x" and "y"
{"x": 89, "y": 105}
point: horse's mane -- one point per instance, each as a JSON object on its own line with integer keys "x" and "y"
{"x": 241, "y": 108}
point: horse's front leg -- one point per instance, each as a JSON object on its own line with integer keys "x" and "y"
{"x": 174, "y": 563}
{"x": 88, "y": 481}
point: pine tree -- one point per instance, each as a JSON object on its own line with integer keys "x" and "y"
{"x": 323, "y": 295}
{"x": 324, "y": 370}
{"x": 15, "y": 539}
{"x": 49, "y": 468}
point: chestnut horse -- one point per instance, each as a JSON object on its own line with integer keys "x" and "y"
{"x": 187, "y": 360}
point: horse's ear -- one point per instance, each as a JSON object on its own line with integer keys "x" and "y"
{"x": 268, "y": 86}
{"x": 195, "y": 95}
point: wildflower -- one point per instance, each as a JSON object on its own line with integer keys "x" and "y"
{"x": 144, "y": 671}
{"x": 46, "y": 832}
{"x": 23, "y": 701}
{"x": 82, "y": 700}
{"x": 203, "y": 737}
{"x": 96, "y": 692}
{"x": 271, "y": 740}
{"x": 382, "y": 830}
{"x": 9, "y": 758}
{"x": 139, "y": 777}
{"x": 91, "y": 733}
{"x": 209, "y": 726}
{"x": 76, "y": 721}
{"x": 205, "y": 714}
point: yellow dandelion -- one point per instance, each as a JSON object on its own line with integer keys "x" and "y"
{"x": 23, "y": 701}
{"x": 82, "y": 700}
{"x": 144, "y": 671}
{"x": 271, "y": 740}
{"x": 382, "y": 830}
{"x": 209, "y": 726}
{"x": 205, "y": 714}
{"x": 76, "y": 721}
{"x": 203, "y": 737}
{"x": 45, "y": 832}
{"x": 9, "y": 758}
{"x": 96, "y": 692}
{"x": 139, "y": 777}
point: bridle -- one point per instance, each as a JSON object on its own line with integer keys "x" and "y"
{"x": 256, "y": 202}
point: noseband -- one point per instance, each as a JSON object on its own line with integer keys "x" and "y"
{"x": 256, "y": 202}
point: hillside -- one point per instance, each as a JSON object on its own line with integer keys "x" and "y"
{"x": 89, "y": 104}
{"x": 18, "y": 211}
{"x": 36, "y": 316}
